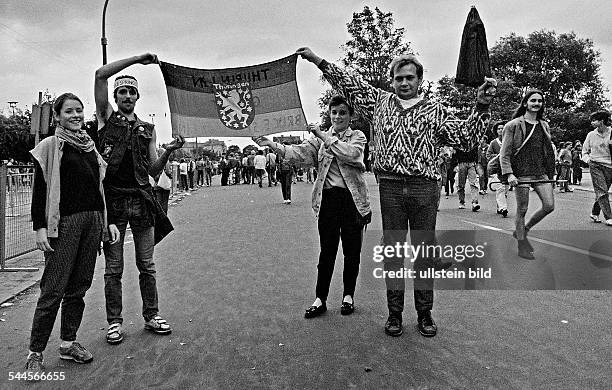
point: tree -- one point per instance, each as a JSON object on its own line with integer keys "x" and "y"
{"x": 15, "y": 138}
{"x": 564, "y": 66}
{"x": 374, "y": 43}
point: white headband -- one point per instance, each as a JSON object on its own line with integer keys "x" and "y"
{"x": 125, "y": 82}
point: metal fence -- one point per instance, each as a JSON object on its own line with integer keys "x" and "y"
{"x": 16, "y": 235}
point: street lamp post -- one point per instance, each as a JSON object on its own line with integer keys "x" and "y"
{"x": 103, "y": 40}
{"x": 12, "y": 105}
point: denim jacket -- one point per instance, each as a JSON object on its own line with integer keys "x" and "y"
{"x": 348, "y": 152}
{"x": 114, "y": 139}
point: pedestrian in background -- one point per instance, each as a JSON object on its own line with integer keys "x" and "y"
{"x": 577, "y": 163}
{"x": 501, "y": 189}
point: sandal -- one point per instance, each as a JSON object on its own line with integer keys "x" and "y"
{"x": 158, "y": 325}
{"x": 114, "y": 334}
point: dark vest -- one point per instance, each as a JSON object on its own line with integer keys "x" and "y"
{"x": 114, "y": 139}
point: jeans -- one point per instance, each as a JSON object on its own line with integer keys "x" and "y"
{"x": 338, "y": 218}
{"x": 482, "y": 175}
{"x": 208, "y": 176}
{"x": 408, "y": 202}
{"x": 68, "y": 274}
{"x": 602, "y": 179}
{"x": 271, "y": 175}
{"x": 132, "y": 210}
{"x": 564, "y": 174}
{"x": 468, "y": 171}
{"x": 286, "y": 179}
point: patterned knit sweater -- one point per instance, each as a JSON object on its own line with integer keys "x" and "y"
{"x": 407, "y": 141}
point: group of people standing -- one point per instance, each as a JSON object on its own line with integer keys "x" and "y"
{"x": 195, "y": 173}
{"x": 113, "y": 163}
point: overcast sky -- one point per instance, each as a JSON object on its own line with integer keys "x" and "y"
{"x": 56, "y": 45}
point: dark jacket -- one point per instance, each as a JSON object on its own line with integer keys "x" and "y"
{"x": 114, "y": 138}
{"x": 513, "y": 140}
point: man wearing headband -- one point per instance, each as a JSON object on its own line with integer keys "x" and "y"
{"x": 128, "y": 145}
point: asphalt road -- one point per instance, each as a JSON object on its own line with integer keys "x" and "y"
{"x": 239, "y": 270}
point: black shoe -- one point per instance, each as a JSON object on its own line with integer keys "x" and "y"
{"x": 315, "y": 311}
{"x": 526, "y": 242}
{"x": 347, "y": 308}
{"x": 504, "y": 213}
{"x": 393, "y": 326}
{"x": 523, "y": 250}
{"x": 427, "y": 326}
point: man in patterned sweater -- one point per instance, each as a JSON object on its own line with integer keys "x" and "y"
{"x": 408, "y": 134}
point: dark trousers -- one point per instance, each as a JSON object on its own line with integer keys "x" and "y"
{"x": 271, "y": 175}
{"x": 482, "y": 176}
{"x": 190, "y": 175}
{"x": 449, "y": 184}
{"x": 409, "y": 202}
{"x": 132, "y": 210}
{"x": 564, "y": 174}
{"x": 286, "y": 179}
{"x": 338, "y": 219}
{"x": 162, "y": 197}
{"x": 67, "y": 276}
{"x": 224, "y": 176}
{"x": 208, "y": 176}
{"x": 183, "y": 182}
{"x": 577, "y": 177}
{"x": 251, "y": 176}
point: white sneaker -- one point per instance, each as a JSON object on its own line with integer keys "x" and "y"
{"x": 461, "y": 205}
{"x": 609, "y": 222}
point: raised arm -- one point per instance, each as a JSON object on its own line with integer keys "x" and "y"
{"x": 157, "y": 164}
{"x": 464, "y": 135}
{"x": 359, "y": 94}
{"x": 103, "y": 106}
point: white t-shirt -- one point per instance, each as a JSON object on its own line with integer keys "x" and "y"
{"x": 260, "y": 162}
{"x": 183, "y": 168}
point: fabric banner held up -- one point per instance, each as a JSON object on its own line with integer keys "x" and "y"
{"x": 234, "y": 102}
{"x": 473, "y": 64}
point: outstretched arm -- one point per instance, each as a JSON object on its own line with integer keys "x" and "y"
{"x": 359, "y": 94}
{"x": 159, "y": 163}
{"x": 103, "y": 107}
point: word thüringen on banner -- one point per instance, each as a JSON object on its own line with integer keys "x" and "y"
{"x": 234, "y": 102}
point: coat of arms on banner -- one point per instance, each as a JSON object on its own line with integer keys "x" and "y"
{"x": 234, "y": 105}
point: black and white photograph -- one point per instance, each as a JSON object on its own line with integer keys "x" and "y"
{"x": 305, "y": 195}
